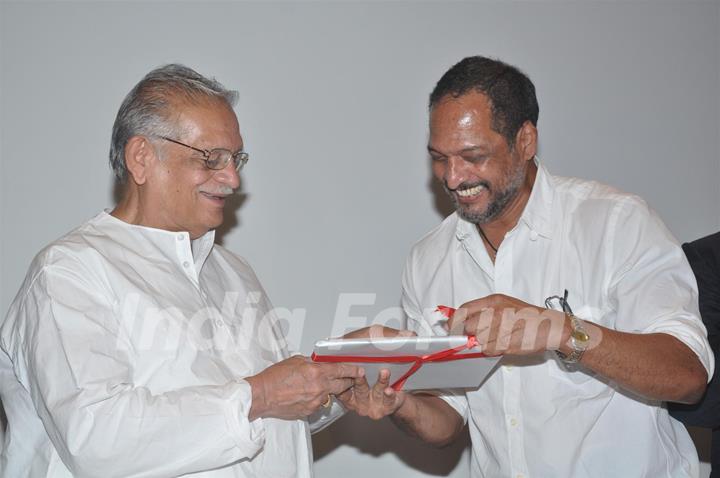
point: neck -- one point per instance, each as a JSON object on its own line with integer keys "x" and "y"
{"x": 133, "y": 208}
{"x": 494, "y": 231}
{"x": 129, "y": 207}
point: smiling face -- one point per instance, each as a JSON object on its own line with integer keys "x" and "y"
{"x": 483, "y": 175}
{"x": 182, "y": 193}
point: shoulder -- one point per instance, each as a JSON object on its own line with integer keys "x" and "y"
{"x": 75, "y": 258}
{"x": 583, "y": 193}
{"x": 599, "y": 210}
{"x": 229, "y": 256}
{"x": 69, "y": 251}
{"x": 438, "y": 239}
{"x": 234, "y": 264}
{"x": 67, "y": 266}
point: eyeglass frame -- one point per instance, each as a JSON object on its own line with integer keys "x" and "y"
{"x": 561, "y": 302}
{"x": 242, "y": 156}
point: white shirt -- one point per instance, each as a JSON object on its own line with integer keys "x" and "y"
{"x": 623, "y": 270}
{"x": 124, "y": 355}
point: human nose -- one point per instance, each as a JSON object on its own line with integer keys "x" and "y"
{"x": 455, "y": 172}
{"x": 229, "y": 175}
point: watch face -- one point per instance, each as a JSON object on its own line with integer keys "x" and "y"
{"x": 580, "y": 335}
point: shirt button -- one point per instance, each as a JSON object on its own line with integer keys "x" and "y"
{"x": 520, "y": 475}
{"x": 186, "y": 264}
{"x": 180, "y": 237}
{"x": 219, "y": 323}
{"x": 508, "y": 367}
{"x": 513, "y": 422}
{"x": 533, "y": 236}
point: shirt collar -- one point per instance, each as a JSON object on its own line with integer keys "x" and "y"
{"x": 538, "y": 210}
{"x": 201, "y": 248}
{"x": 164, "y": 239}
{"x": 537, "y": 214}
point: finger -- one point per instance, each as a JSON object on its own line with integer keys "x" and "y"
{"x": 357, "y": 334}
{"x": 477, "y": 305}
{"x": 378, "y": 331}
{"x": 343, "y": 370}
{"x": 495, "y": 301}
{"x": 383, "y": 382}
{"x": 389, "y": 396}
{"x": 407, "y": 333}
{"x": 399, "y": 398}
{"x": 479, "y": 322}
{"x": 510, "y": 325}
{"x": 454, "y": 323}
{"x": 493, "y": 338}
{"x": 384, "y": 377}
{"x": 361, "y": 387}
{"x": 346, "y": 395}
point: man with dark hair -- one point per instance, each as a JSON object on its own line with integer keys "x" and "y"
{"x": 510, "y": 92}
{"x": 579, "y": 286}
{"x": 138, "y": 347}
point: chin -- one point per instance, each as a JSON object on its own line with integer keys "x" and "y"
{"x": 212, "y": 227}
{"x": 475, "y": 216}
{"x": 214, "y": 220}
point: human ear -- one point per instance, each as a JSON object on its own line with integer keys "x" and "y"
{"x": 526, "y": 141}
{"x": 139, "y": 154}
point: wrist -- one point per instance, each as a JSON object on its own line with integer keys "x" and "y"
{"x": 564, "y": 346}
{"x": 258, "y": 407}
{"x": 573, "y": 346}
{"x": 408, "y": 407}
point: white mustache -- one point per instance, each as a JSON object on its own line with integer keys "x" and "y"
{"x": 223, "y": 191}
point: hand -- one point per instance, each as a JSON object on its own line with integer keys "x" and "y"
{"x": 297, "y": 387}
{"x": 376, "y": 402}
{"x": 380, "y": 400}
{"x": 505, "y": 325}
{"x": 378, "y": 332}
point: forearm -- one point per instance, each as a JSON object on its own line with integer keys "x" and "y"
{"x": 136, "y": 433}
{"x": 656, "y": 366}
{"x": 428, "y": 418}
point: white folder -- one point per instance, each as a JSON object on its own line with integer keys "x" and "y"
{"x": 467, "y": 373}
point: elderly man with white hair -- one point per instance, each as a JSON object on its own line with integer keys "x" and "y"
{"x": 136, "y": 346}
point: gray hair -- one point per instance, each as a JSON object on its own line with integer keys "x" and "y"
{"x": 146, "y": 110}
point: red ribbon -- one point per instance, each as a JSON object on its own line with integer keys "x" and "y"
{"x": 446, "y": 311}
{"x": 416, "y": 360}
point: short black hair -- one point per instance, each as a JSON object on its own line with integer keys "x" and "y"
{"x": 510, "y": 91}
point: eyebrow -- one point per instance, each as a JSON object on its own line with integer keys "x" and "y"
{"x": 233, "y": 151}
{"x": 469, "y": 149}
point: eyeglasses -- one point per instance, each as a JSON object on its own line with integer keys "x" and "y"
{"x": 218, "y": 158}
{"x": 557, "y": 302}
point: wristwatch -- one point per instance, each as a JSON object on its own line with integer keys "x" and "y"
{"x": 579, "y": 340}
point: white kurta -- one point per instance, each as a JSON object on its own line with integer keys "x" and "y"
{"x": 124, "y": 354}
{"x": 623, "y": 270}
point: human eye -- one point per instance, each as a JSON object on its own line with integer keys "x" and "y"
{"x": 218, "y": 158}
{"x": 475, "y": 158}
{"x": 438, "y": 158}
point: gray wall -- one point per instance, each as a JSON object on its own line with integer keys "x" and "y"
{"x": 333, "y": 111}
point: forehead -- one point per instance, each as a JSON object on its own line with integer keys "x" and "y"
{"x": 462, "y": 122}
{"x": 210, "y": 123}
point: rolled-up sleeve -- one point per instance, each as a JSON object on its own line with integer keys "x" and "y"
{"x": 654, "y": 289}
